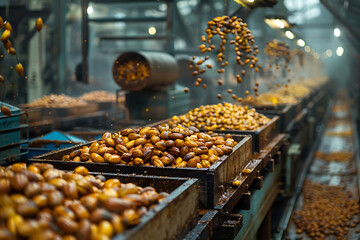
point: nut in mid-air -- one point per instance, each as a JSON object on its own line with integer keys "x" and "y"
{"x": 19, "y": 69}
{"x": 39, "y": 24}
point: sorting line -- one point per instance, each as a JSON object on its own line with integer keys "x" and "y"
{"x": 335, "y": 173}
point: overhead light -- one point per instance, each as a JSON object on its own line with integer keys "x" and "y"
{"x": 307, "y": 48}
{"x": 337, "y": 32}
{"x": 152, "y": 30}
{"x": 301, "y": 42}
{"x": 90, "y": 10}
{"x": 328, "y": 53}
{"x": 277, "y": 22}
{"x": 289, "y": 34}
{"x": 339, "y": 51}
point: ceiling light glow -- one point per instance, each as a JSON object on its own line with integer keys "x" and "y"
{"x": 90, "y": 10}
{"x": 339, "y": 51}
{"x": 301, "y": 42}
{"x": 337, "y": 32}
{"x": 328, "y": 53}
{"x": 152, "y": 30}
{"x": 289, "y": 35}
{"x": 279, "y": 23}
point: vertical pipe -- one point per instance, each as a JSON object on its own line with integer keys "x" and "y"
{"x": 170, "y": 28}
{"x": 61, "y": 44}
{"x": 85, "y": 38}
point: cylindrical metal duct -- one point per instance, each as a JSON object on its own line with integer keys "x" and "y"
{"x": 162, "y": 70}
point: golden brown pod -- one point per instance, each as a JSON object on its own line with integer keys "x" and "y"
{"x": 7, "y": 45}
{"x": 82, "y": 170}
{"x": 28, "y": 227}
{"x": 110, "y": 142}
{"x": 117, "y": 224}
{"x": 5, "y": 36}
{"x": 12, "y": 51}
{"x": 27, "y": 209}
{"x": 106, "y": 228}
{"x": 90, "y": 202}
{"x": 111, "y": 183}
{"x": 2, "y": 79}
{"x": 59, "y": 183}
{"x": 19, "y": 69}
{"x": 40, "y": 200}
{"x": 75, "y": 153}
{"x": 8, "y": 26}
{"x": 70, "y": 190}
{"x": 83, "y": 232}
{"x": 18, "y": 182}
{"x": 67, "y": 224}
{"x": 97, "y": 158}
{"x": 131, "y": 217}
{"x": 5, "y": 111}
{"x": 117, "y": 205}
{"x": 34, "y": 169}
{"x": 80, "y": 211}
{"x": 14, "y": 222}
{"x": 38, "y": 24}
{"x": 5, "y": 186}
{"x": 32, "y": 189}
{"x": 100, "y": 214}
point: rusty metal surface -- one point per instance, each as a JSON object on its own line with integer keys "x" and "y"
{"x": 206, "y": 226}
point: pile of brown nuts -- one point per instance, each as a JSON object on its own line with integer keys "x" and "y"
{"x": 335, "y": 156}
{"x": 242, "y": 40}
{"x": 327, "y": 210}
{"x": 56, "y": 101}
{"x": 162, "y": 146}
{"x": 133, "y": 70}
{"x": 223, "y": 116}
{"x": 40, "y": 202}
{"x": 347, "y": 133}
{"x": 98, "y": 96}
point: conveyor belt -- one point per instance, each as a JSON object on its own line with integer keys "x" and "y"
{"x": 337, "y": 137}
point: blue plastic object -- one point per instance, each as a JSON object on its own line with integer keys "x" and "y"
{"x": 10, "y": 133}
{"x": 52, "y": 141}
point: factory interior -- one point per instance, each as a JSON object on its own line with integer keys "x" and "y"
{"x": 179, "y": 119}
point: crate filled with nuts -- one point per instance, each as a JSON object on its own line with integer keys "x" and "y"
{"x": 227, "y": 118}
{"x": 58, "y": 106}
{"x": 41, "y": 202}
{"x": 176, "y": 151}
{"x": 286, "y": 111}
{"x": 105, "y": 100}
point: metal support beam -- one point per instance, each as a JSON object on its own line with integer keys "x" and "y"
{"x": 85, "y": 40}
{"x": 170, "y": 16}
{"x": 132, "y": 19}
{"x": 61, "y": 45}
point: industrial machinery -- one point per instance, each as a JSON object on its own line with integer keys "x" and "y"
{"x": 149, "y": 81}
